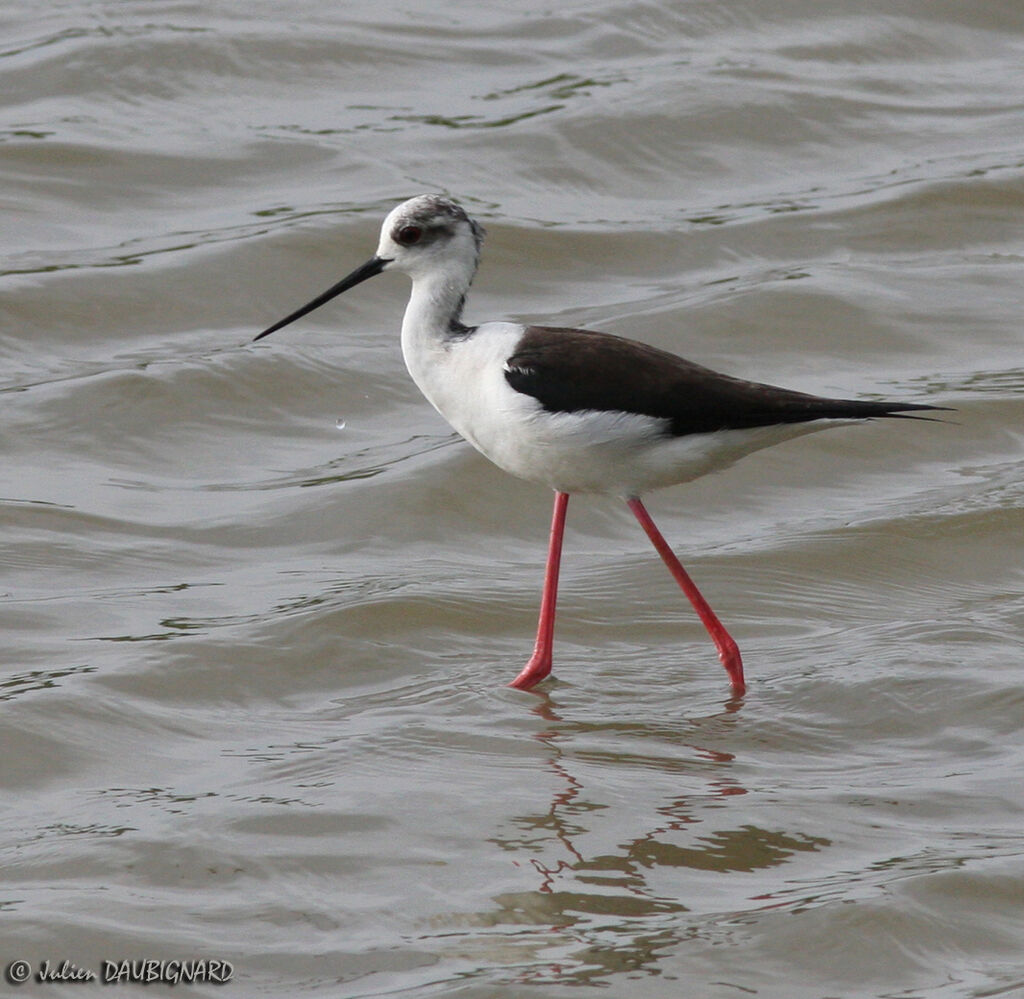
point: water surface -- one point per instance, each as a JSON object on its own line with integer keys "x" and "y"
{"x": 259, "y": 603}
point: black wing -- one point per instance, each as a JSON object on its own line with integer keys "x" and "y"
{"x": 570, "y": 370}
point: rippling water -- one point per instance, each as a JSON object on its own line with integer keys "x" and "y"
{"x": 259, "y": 603}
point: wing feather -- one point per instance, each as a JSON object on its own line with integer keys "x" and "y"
{"x": 572, "y": 370}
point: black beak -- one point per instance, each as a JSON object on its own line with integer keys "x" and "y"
{"x": 372, "y": 266}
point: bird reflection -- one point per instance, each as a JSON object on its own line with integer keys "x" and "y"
{"x": 610, "y": 909}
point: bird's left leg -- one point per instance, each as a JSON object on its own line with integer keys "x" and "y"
{"x": 728, "y": 651}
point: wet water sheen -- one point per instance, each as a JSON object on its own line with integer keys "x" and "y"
{"x": 258, "y": 604}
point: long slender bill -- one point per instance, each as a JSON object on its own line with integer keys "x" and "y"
{"x": 372, "y": 266}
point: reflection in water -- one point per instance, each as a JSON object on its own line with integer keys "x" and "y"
{"x": 607, "y": 912}
{"x": 17, "y": 684}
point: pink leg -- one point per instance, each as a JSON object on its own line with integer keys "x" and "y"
{"x": 539, "y": 665}
{"x": 728, "y": 651}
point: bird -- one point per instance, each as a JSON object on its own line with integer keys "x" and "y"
{"x": 577, "y": 410}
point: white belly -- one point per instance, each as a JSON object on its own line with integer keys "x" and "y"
{"x": 623, "y": 454}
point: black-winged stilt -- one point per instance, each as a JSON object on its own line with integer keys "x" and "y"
{"x": 575, "y": 410}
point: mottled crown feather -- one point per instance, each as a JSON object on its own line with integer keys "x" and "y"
{"x": 433, "y": 211}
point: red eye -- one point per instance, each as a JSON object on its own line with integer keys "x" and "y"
{"x": 408, "y": 235}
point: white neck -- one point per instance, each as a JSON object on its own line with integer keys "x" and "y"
{"x": 432, "y": 319}
{"x": 434, "y": 304}
{"x": 437, "y": 296}
{"x": 434, "y": 311}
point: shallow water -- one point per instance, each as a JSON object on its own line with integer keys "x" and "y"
{"x": 259, "y": 604}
